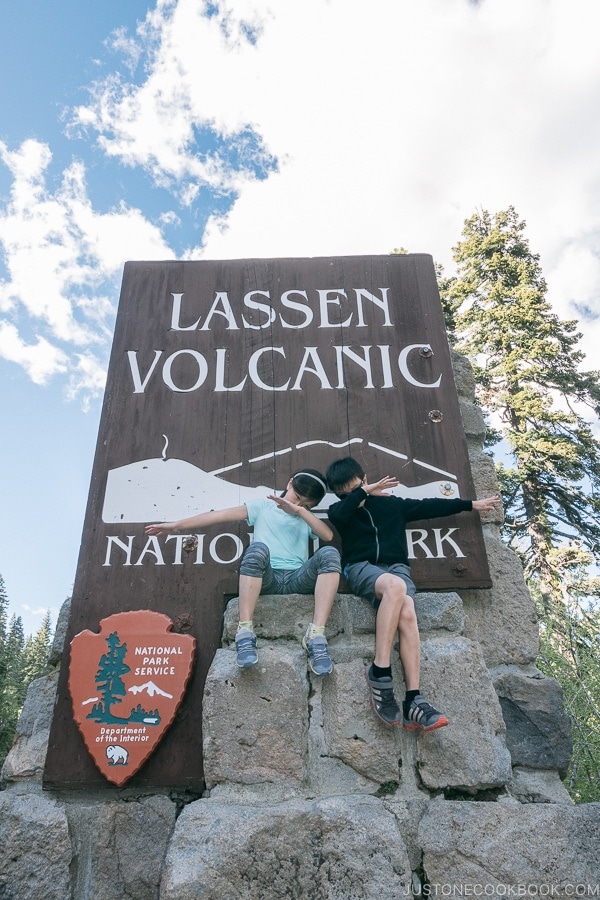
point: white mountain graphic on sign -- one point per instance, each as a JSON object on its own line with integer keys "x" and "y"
{"x": 150, "y": 688}
{"x": 161, "y": 489}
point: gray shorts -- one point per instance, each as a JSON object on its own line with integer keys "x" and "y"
{"x": 362, "y": 577}
{"x": 257, "y": 563}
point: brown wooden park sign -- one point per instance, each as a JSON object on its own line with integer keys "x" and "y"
{"x": 225, "y": 378}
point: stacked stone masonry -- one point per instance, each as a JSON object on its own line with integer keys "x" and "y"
{"x": 307, "y": 794}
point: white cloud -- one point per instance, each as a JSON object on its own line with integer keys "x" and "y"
{"x": 158, "y": 124}
{"x": 87, "y": 378}
{"x": 574, "y": 284}
{"x": 126, "y": 46}
{"x": 40, "y": 360}
{"x": 62, "y": 260}
{"x": 35, "y": 613}
{"x": 39, "y": 611}
{"x": 390, "y": 123}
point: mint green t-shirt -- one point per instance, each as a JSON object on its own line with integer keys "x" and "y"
{"x": 286, "y": 536}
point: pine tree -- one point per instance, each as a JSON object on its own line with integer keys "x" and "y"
{"x": 3, "y": 661}
{"x": 530, "y": 382}
{"x": 13, "y": 688}
{"x": 37, "y": 651}
{"x": 569, "y": 651}
{"x": 3, "y": 619}
{"x": 108, "y": 677}
{"x": 3, "y": 608}
{"x": 21, "y": 661}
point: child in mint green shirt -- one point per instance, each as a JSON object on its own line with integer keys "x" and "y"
{"x": 277, "y": 561}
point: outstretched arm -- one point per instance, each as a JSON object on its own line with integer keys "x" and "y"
{"x": 379, "y": 488}
{"x": 487, "y": 504}
{"x": 317, "y": 526}
{"x": 202, "y": 520}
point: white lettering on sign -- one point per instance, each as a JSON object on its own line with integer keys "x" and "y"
{"x": 364, "y": 362}
{"x": 303, "y": 308}
{"x": 332, "y": 303}
{"x": 200, "y": 378}
{"x": 221, "y": 307}
{"x": 220, "y": 374}
{"x": 152, "y": 547}
{"x": 418, "y": 537}
{"x": 227, "y": 548}
{"x": 329, "y": 365}
{"x": 440, "y": 539}
{"x": 127, "y": 548}
{"x": 139, "y": 386}
{"x": 403, "y": 366}
{"x": 261, "y": 307}
{"x": 238, "y": 548}
{"x": 327, "y": 299}
{"x": 124, "y": 735}
{"x": 253, "y": 369}
{"x": 154, "y": 670}
{"x": 311, "y": 354}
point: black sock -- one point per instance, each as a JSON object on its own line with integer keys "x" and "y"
{"x": 410, "y": 696}
{"x": 381, "y": 671}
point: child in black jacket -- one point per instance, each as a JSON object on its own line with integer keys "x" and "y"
{"x": 372, "y": 526}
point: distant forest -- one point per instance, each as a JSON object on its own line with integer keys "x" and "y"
{"x": 22, "y": 660}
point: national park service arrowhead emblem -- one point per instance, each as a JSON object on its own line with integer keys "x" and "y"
{"x": 126, "y": 684}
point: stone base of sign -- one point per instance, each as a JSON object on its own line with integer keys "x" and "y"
{"x": 538, "y": 736}
{"x": 470, "y": 754}
{"x": 265, "y": 740}
{"x": 466, "y": 843}
{"x": 339, "y": 847}
{"x": 119, "y": 848}
{"x": 91, "y": 848}
{"x": 537, "y": 786}
{"x": 306, "y": 787}
{"x": 25, "y": 762}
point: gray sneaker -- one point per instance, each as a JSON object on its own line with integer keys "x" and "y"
{"x": 245, "y": 645}
{"x": 319, "y": 659}
{"x": 421, "y": 714}
{"x": 382, "y": 698}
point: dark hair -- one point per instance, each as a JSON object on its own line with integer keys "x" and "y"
{"x": 310, "y": 484}
{"x": 343, "y": 471}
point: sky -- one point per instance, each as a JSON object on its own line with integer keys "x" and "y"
{"x": 185, "y": 129}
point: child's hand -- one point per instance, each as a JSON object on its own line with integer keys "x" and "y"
{"x": 285, "y": 505}
{"x": 379, "y": 487}
{"x": 161, "y": 528}
{"x": 487, "y": 504}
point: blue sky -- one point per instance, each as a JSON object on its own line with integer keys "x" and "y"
{"x": 185, "y": 129}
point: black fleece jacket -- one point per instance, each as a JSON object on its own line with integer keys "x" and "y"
{"x": 376, "y": 531}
